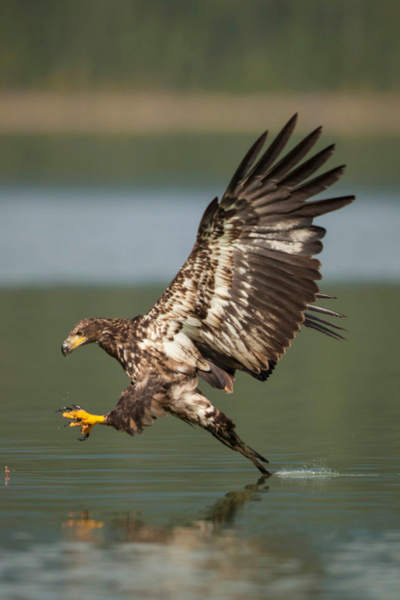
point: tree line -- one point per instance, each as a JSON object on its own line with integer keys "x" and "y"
{"x": 226, "y": 46}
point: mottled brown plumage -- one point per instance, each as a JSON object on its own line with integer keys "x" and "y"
{"x": 237, "y": 302}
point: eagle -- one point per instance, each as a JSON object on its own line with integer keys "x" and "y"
{"x": 247, "y": 287}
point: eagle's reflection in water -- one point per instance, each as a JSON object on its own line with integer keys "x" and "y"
{"x": 130, "y": 527}
{"x": 205, "y": 556}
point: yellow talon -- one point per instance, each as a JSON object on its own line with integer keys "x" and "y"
{"x": 82, "y": 419}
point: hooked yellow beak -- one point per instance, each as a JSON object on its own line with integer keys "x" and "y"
{"x": 71, "y": 343}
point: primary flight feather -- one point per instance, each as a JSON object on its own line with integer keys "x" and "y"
{"x": 235, "y": 305}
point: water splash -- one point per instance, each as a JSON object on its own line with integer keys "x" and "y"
{"x": 305, "y": 472}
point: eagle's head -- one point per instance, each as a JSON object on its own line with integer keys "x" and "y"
{"x": 88, "y": 331}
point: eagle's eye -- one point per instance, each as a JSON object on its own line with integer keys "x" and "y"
{"x": 79, "y": 333}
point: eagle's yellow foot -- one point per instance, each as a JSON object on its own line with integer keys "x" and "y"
{"x": 81, "y": 419}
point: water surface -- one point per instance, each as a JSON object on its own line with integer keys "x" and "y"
{"x": 173, "y": 513}
{"x": 95, "y": 236}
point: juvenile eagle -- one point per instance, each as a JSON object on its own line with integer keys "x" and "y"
{"x": 236, "y": 303}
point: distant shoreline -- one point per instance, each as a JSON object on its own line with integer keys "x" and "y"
{"x": 347, "y": 114}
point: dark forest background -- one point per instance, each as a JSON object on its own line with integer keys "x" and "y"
{"x": 213, "y": 45}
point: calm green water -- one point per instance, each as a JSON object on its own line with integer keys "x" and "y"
{"x": 173, "y": 513}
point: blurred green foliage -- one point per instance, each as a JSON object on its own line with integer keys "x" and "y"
{"x": 216, "y": 45}
{"x": 173, "y": 160}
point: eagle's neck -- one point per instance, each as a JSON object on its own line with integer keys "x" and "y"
{"x": 113, "y": 333}
{"x": 118, "y": 338}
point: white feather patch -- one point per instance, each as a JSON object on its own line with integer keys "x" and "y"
{"x": 182, "y": 350}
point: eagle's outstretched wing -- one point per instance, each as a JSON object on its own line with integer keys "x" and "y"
{"x": 242, "y": 294}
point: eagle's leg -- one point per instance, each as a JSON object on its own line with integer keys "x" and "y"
{"x": 197, "y": 409}
{"x": 224, "y": 430}
{"x": 80, "y": 418}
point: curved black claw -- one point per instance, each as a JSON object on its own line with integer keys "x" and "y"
{"x": 83, "y": 438}
{"x": 68, "y": 408}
